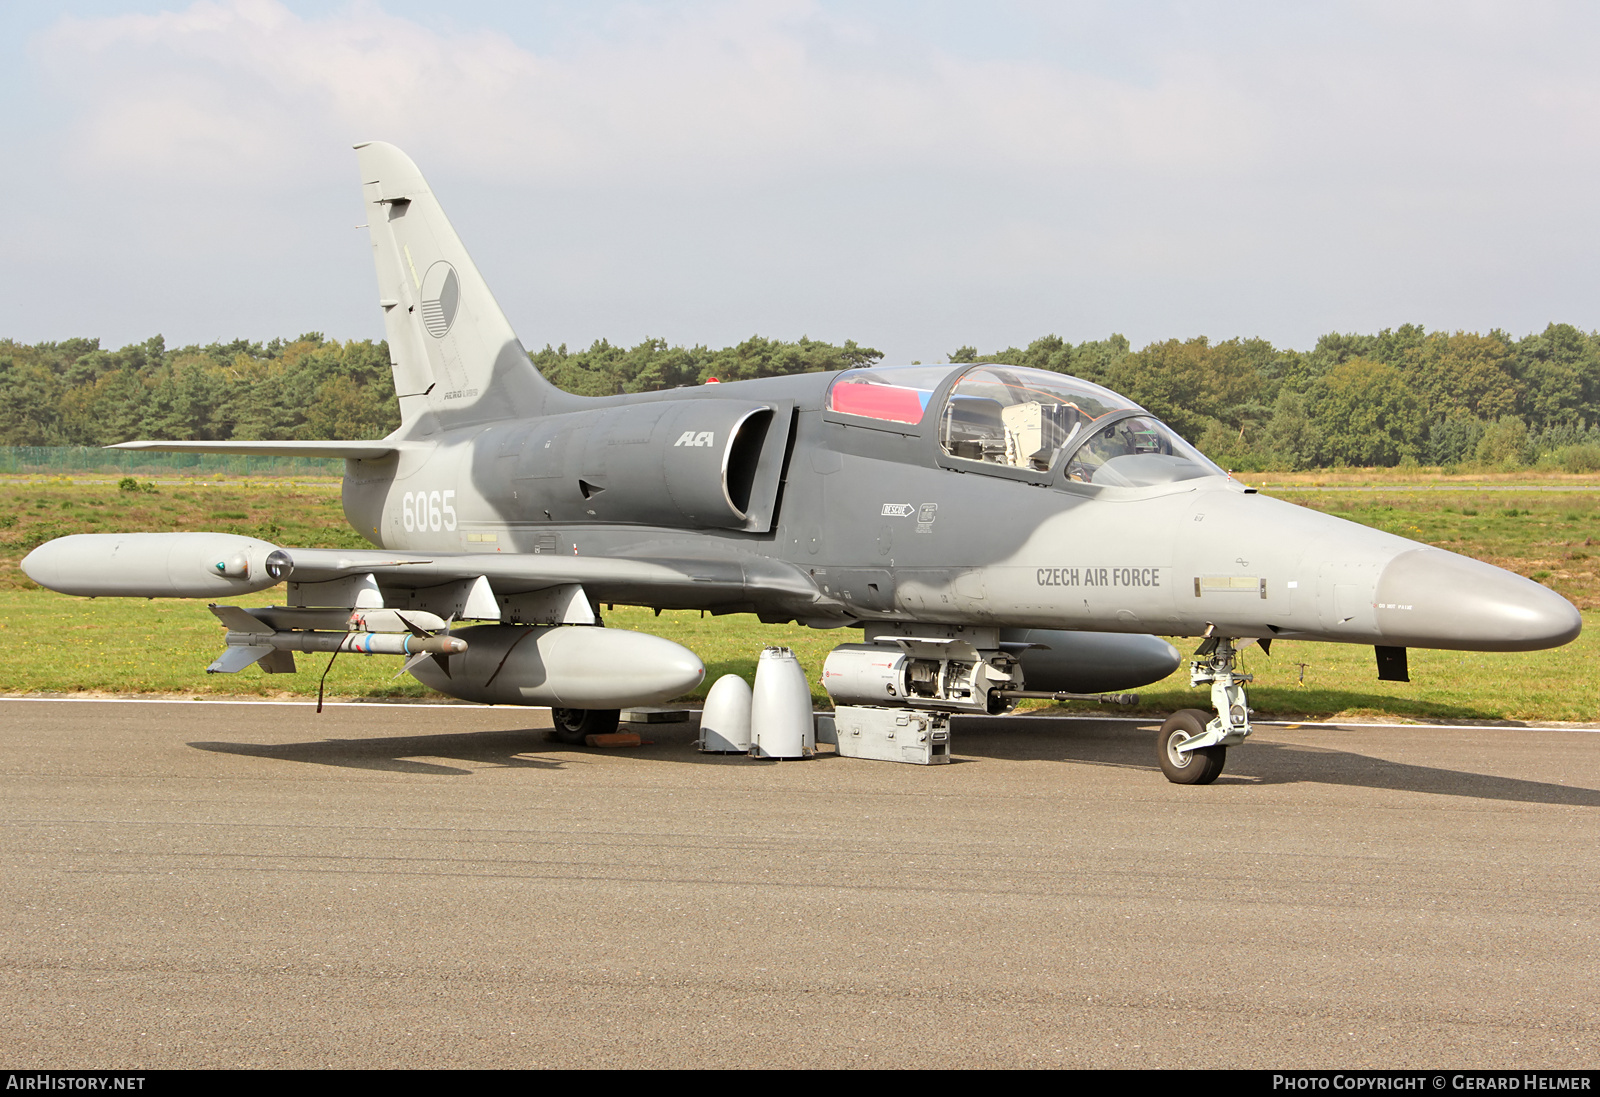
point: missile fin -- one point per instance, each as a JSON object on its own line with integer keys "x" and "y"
{"x": 281, "y": 661}
{"x": 413, "y": 629}
{"x": 238, "y": 620}
{"x": 420, "y": 657}
{"x": 235, "y": 657}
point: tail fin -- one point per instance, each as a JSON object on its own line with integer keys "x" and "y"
{"x": 456, "y": 360}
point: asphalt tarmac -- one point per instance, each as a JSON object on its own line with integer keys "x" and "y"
{"x": 236, "y": 885}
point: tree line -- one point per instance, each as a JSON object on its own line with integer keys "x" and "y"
{"x": 1402, "y": 396}
{"x": 75, "y": 393}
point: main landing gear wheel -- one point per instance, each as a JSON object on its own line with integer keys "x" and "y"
{"x": 573, "y": 725}
{"x": 1194, "y": 767}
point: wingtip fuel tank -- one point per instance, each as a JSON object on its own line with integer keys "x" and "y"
{"x": 157, "y": 565}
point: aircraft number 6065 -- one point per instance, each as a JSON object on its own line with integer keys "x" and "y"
{"x": 425, "y": 510}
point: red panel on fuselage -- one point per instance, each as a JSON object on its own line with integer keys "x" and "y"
{"x": 891, "y": 402}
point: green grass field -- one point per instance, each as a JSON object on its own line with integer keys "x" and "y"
{"x": 56, "y": 644}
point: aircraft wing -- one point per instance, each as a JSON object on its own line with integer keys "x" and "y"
{"x": 606, "y": 578}
{"x": 221, "y": 565}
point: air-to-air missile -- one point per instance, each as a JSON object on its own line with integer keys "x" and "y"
{"x": 254, "y": 635}
{"x": 994, "y": 532}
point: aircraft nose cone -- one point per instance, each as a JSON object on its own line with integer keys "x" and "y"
{"x": 1428, "y": 597}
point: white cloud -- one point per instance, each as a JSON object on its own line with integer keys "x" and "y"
{"x": 720, "y": 91}
{"x": 708, "y": 169}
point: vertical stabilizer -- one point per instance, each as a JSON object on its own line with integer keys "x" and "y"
{"x": 456, "y": 360}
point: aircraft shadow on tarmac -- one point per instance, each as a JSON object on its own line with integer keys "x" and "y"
{"x": 1257, "y": 763}
{"x": 401, "y": 753}
{"x": 1080, "y": 742}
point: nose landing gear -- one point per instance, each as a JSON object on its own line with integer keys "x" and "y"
{"x": 1191, "y": 749}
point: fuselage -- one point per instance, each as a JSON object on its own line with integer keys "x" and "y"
{"x": 870, "y": 517}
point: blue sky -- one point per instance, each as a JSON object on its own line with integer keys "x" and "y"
{"x": 915, "y": 176}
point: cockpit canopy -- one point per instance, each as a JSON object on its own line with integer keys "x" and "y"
{"x": 1022, "y": 418}
{"x": 892, "y": 394}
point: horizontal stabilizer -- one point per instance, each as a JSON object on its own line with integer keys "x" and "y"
{"x": 354, "y": 451}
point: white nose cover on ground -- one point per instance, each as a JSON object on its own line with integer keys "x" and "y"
{"x": 725, "y": 721}
{"x": 780, "y": 708}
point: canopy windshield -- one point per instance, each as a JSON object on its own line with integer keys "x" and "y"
{"x": 1134, "y": 452}
{"x": 1026, "y": 418}
{"x": 1021, "y": 418}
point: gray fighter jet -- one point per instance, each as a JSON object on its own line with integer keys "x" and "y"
{"x": 994, "y": 532}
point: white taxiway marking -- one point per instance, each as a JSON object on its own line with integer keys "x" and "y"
{"x": 197, "y": 701}
{"x": 1287, "y": 724}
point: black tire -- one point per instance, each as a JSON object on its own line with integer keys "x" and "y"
{"x": 574, "y": 725}
{"x": 1194, "y": 767}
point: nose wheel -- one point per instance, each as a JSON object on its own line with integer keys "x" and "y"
{"x": 1192, "y": 746}
{"x": 574, "y": 725}
{"x": 1188, "y": 767}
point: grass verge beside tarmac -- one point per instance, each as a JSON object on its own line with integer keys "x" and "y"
{"x": 59, "y": 645}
